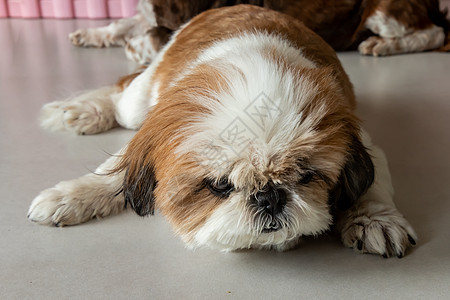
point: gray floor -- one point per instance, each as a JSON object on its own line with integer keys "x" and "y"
{"x": 404, "y": 102}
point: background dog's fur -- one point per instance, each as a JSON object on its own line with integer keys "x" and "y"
{"x": 386, "y": 26}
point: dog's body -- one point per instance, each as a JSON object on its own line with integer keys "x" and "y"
{"x": 376, "y": 27}
{"x": 247, "y": 139}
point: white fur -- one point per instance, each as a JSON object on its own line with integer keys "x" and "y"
{"x": 232, "y": 49}
{"x": 395, "y": 38}
{"x": 146, "y": 9}
{"x": 142, "y": 94}
{"x": 386, "y": 26}
{"x": 140, "y": 49}
{"x": 229, "y": 227}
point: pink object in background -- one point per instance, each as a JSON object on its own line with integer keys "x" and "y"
{"x": 63, "y": 9}
{"x": 99, "y": 9}
{"x": 3, "y": 9}
{"x": 92, "y": 9}
{"x": 122, "y": 8}
{"x": 23, "y": 8}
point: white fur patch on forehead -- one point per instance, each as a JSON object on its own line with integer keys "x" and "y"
{"x": 258, "y": 111}
{"x": 236, "y": 50}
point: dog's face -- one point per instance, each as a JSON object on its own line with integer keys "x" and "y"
{"x": 239, "y": 168}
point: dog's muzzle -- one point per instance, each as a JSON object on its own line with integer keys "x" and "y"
{"x": 271, "y": 201}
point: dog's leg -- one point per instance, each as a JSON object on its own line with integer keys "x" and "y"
{"x": 88, "y": 113}
{"x": 125, "y": 103}
{"x": 374, "y": 225}
{"x": 115, "y": 34}
{"x": 79, "y": 200}
{"x": 395, "y": 37}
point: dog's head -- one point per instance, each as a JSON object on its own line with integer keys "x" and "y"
{"x": 253, "y": 141}
{"x": 235, "y": 169}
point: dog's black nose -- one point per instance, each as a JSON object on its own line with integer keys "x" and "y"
{"x": 272, "y": 200}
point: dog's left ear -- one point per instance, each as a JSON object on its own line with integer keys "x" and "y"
{"x": 138, "y": 171}
{"x": 138, "y": 187}
{"x": 356, "y": 177}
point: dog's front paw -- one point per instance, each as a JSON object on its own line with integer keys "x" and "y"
{"x": 386, "y": 233}
{"x": 54, "y": 207}
{"x": 378, "y": 46}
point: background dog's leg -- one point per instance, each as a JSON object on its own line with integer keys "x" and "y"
{"x": 88, "y": 113}
{"x": 374, "y": 225}
{"x": 115, "y": 34}
{"x": 143, "y": 48}
{"x": 79, "y": 200}
{"x": 395, "y": 37}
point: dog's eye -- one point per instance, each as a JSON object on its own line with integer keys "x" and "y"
{"x": 221, "y": 188}
{"x": 306, "y": 177}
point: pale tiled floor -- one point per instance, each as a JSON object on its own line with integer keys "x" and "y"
{"x": 404, "y": 102}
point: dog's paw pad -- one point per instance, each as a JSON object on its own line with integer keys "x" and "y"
{"x": 386, "y": 234}
{"x": 378, "y": 46}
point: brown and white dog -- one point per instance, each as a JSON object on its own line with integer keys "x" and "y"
{"x": 375, "y": 27}
{"x": 247, "y": 139}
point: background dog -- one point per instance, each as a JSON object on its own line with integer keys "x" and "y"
{"x": 375, "y": 27}
{"x": 247, "y": 139}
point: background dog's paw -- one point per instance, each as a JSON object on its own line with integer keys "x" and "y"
{"x": 95, "y": 37}
{"x": 377, "y": 46}
{"x": 81, "y": 38}
{"x": 387, "y": 234}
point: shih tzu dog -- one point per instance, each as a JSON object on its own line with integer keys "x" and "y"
{"x": 375, "y": 27}
{"x": 247, "y": 139}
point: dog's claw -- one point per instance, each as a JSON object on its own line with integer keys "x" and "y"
{"x": 411, "y": 240}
